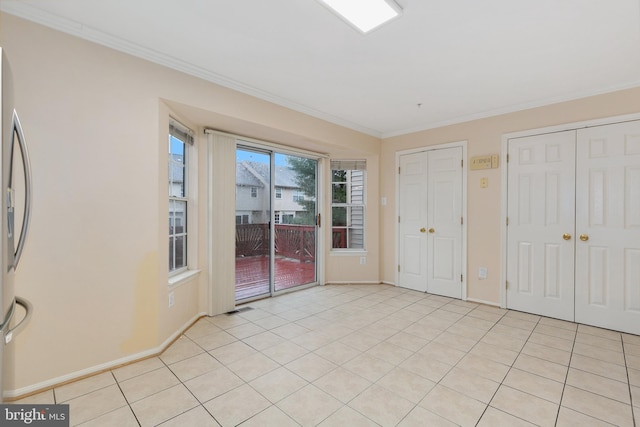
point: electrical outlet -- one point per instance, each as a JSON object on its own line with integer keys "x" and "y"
{"x": 482, "y": 273}
{"x": 363, "y": 260}
{"x": 170, "y": 299}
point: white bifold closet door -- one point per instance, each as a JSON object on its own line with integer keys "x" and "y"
{"x": 608, "y": 227}
{"x": 574, "y": 225}
{"x": 541, "y": 215}
{"x": 430, "y": 229}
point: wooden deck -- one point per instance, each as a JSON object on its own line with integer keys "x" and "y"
{"x": 252, "y": 275}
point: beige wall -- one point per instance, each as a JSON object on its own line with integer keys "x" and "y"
{"x": 95, "y": 262}
{"x": 484, "y": 204}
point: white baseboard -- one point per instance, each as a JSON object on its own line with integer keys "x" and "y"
{"x": 479, "y": 301}
{"x": 384, "y": 282}
{"x": 351, "y": 282}
{"x": 48, "y": 384}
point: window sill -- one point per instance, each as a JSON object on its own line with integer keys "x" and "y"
{"x": 348, "y": 252}
{"x": 183, "y": 278}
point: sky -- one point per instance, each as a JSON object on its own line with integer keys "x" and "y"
{"x": 241, "y": 155}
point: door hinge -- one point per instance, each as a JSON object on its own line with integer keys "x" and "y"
{"x": 462, "y": 163}
{"x": 461, "y": 278}
{"x": 398, "y": 219}
{"x": 318, "y": 221}
{"x": 507, "y": 157}
{"x": 398, "y": 170}
{"x": 398, "y": 268}
{"x": 507, "y": 221}
{"x": 506, "y": 285}
{"x": 461, "y": 220}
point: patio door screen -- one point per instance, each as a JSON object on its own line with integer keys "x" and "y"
{"x": 276, "y": 230}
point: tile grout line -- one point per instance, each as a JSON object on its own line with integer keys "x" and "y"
{"x": 125, "y": 398}
{"x": 566, "y": 376}
{"x": 626, "y": 366}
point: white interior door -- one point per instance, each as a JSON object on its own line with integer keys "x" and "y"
{"x": 608, "y": 224}
{"x": 430, "y": 228}
{"x": 444, "y": 222}
{"x": 541, "y": 215}
{"x": 412, "y": 250}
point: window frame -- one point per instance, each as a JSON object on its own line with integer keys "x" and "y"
{"x": 183, "y": 134}
{"x": 349, "y": 166}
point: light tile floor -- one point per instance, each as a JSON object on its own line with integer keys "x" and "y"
{"x": 368, "y": 355}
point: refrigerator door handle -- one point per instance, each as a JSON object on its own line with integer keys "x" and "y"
{"x": 26, "y": 164}
{"x": 28, "y": 308}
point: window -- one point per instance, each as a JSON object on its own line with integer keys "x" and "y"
{"x": 298, "y": 195}
{"x": 347, "y": 203}
{"x": 180, "y": 139}
{"x": 254, "y": 192}
{"x": 278, "y": 192}
{"x": 287, "y": 218}
{"x": 242, "y": 219}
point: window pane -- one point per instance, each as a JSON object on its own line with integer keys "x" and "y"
{"x": 356, "y": 216}
{"x": 339, "y": 176}
{"x": 177, "y": 216}
{"x": 339, "y": 193}
{"x": 181, "y": 252}
{"x": 172, "y": 255}
{"x": 338, "y": 216}
{"x": 177, "y": 169}
{"x": 339, "y": 238}
{"x": 355, "y": 238}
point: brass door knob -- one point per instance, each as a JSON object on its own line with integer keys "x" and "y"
{"x": 584, "y": 237}
{"x": 566, "y": 236}
{"x": 432, "y": 230}
{"x": 423, "y": 230}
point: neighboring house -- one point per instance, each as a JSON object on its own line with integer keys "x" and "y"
{"x": 252, "y": 194}
{"x": 177, "y": 215}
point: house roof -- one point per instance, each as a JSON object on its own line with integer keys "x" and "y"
{"x": 253, "y": 174}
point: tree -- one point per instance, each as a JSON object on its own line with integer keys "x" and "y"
{"x": 305, "y": 176}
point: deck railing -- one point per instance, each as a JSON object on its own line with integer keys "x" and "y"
{"x": 292, "y": 241}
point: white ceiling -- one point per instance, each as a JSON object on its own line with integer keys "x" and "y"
{"x": 441, "y": 62}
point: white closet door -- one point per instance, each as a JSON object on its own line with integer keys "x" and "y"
{"x": 541, "y": 214}
{"x": 430, "y": 208}
{"x": 608, "y": 225}
{"x": 444, "y": 203}
{"x": 412, "y": 250}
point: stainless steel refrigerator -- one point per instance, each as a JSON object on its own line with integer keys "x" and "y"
{"x": 16, "y": 173}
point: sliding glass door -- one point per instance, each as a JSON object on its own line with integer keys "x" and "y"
{"x": 253, "y": 219}
{"x": 276, "y": 230}
{"x": 295, "y": 214}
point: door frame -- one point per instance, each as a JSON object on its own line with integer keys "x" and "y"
{"x": 504, "y": 178}
{"x": 463, "y": 255}
{"x": 219, "y": 207}
{"x": 272, "y": 149}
